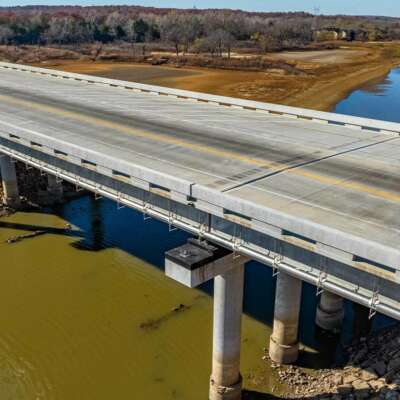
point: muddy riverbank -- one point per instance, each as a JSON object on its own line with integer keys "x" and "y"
{"x": 320, "y": 85}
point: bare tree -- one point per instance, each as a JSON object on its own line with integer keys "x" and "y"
{"x": 172, "y": 28}
{"x": 116, "y": 23}
{"x": 6, "y": 34}
{"x": 191, "y": 30}
{"x": 66, "y": 30}
{"x": 220, "y": 41}
{"x": 215, "y": 30}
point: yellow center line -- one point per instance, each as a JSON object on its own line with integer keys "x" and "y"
{"x": 273, "y": 166}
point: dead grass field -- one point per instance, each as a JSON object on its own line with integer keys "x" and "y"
{"x": 334, "y": 56}
{"x": 329, "y": 75}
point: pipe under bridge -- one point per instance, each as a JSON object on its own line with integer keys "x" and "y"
{"x": 314, "y": 195}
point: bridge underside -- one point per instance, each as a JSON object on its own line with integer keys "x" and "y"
{"x": 358, "y": 281}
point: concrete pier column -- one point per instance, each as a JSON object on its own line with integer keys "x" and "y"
{"x": 9, "y": 182}
{"x": 284, "y": 345}
{"x": 54, "y": 188}
{"x": 197, "y": 262}
{"x": 226, "y": 381}
{"x": 330, "y": 311}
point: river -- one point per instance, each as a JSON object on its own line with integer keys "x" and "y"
{"x": 376, "y": 100}
{"x": 87, "y": 313}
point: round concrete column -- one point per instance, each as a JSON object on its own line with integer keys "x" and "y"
{"x": 226, "y": 381}
{"x": 284, "y": 345}
{"x": 54, "y": 188}
{"x": 330, "y": 312}
{"x": 9, "y": 182}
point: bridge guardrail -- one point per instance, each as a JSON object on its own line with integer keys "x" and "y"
{"x": 217, "y": 201}
{"x": 287, "y": 111}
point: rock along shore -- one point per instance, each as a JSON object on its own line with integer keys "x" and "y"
{"x": 371, "y": 372}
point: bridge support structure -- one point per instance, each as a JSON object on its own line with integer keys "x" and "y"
{"x": 330, "y": 311}
{"x": 195, "y": 263}
{"x": 226, "y": 381}
{"x": 284, "y": 345}
{"x": 54, "y": 189}
{"x": 9, "y": 182}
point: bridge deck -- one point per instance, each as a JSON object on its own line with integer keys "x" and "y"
{"x": 326, "y": 182}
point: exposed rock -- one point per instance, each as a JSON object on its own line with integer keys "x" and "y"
{"x": 377, "y": 384}
{"x": 349, "y": 378}
{"x": 372, "y": 372}
{"x": 345, "y": 389}
{"x": 368, "y": 374}
{"x": 361, "y": 385}
{"x": 337, "y": 379}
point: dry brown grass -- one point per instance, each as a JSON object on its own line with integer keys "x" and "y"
{"x": 307, "y": 81}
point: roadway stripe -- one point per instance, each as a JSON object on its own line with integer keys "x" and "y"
{"x": 273, "y": 166}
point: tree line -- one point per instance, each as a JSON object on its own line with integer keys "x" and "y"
{"x": 212, "y": 31}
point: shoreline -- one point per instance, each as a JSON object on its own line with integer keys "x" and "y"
{"x": 337, "y": 91}
{"x": 321, "y": 87}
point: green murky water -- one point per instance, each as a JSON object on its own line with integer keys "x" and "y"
{"x": 81, "y": 317}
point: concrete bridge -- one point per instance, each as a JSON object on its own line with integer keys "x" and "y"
{"x": 314, "y": 195}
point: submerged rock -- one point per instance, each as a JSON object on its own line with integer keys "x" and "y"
{"x": 18, "y": 238}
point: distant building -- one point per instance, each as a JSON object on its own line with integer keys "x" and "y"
{"x": 329, "y": 34}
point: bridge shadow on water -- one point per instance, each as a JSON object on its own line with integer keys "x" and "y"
{"x": 102, "y": 225}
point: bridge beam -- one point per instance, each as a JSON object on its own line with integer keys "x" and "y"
{"x": 284, "y": 345}
{"x": 330, "y": 311}
{"x": 195, "y": 263}
{"x": 54, "y": 189}
{"x": 9, "y": 182}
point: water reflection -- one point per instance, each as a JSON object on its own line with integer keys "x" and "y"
{"x": 106, "y": 226}
{"x": 379, "y": 100}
